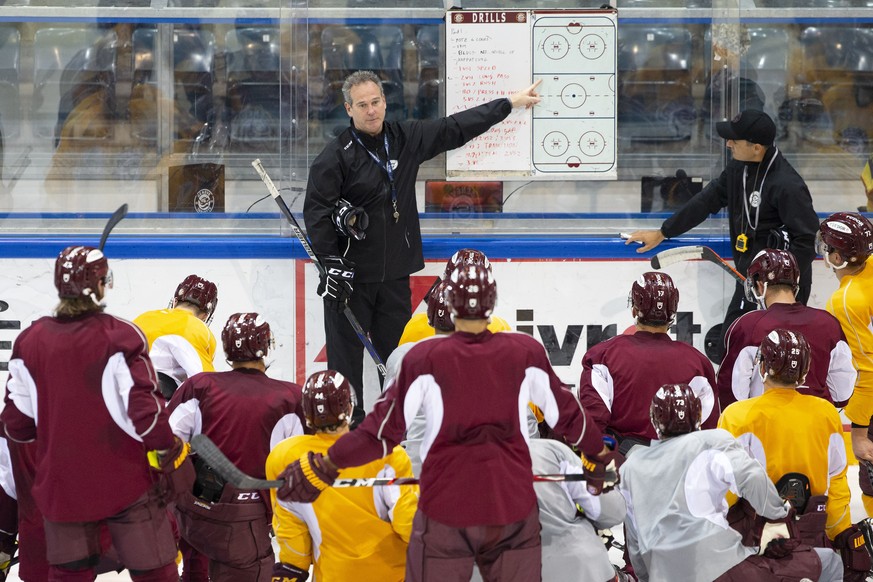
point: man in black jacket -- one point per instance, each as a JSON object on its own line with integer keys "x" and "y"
{"x": 361, "y": 215}
{"x": 769, "y": 206}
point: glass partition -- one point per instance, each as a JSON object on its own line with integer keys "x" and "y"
{"x": 155, "y": 102}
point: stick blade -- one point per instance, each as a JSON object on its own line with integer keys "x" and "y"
{"x": 116, "y": 217}
{"x": 677, "y": 255}
{"x": 213, "y": 456}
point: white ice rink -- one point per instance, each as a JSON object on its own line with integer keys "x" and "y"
{"x": 856, "y": 506}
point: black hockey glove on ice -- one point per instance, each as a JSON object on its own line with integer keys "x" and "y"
{"x": 335, "y": 286}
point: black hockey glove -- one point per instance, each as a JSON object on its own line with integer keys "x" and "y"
{"x": 283, "y": 572}
{"x": 335, "y": 285}
{"x": 854, "y": 548}
{"x": 350, "y": 221}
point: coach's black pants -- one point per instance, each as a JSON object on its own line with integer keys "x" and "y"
{"x": 383, "y": 309}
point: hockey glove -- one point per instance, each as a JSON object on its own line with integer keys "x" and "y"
{"x": 601, "y": 472}
{"x": 283, "y": 572}
{"x": 306, "y": 478}
{"x": 176, "y": 469}
{"x": 350, "y": 221}
{"x": 335, "y": 285}
{"x": 853, "y": 544}
{"x": 781, "y": 547}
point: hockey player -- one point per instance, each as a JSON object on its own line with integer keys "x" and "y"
{"x": 788, "y": 432}
{"x": 773, "y": 282}
{"x": 477, "y": 499}
{"x": 420, "y": 327}
{"x": 570, "y": 516}
{"x": 245, "y": 413}
{"x": 845, "y": 240}
{"x": 180, "y": 341}
{"x": 348, "y": 534}
{"x": 620, "y": 375}
{"x": 440, "y": 321}
{"x": 82, "y": 385}
{"x": 676, "y": 526}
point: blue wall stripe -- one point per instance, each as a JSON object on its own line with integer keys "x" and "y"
{"x": 528, "y": 247}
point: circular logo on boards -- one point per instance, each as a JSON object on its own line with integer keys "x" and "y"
{"x": 204, "y": 200}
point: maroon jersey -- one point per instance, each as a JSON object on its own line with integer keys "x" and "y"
{"x": 473, "y": 390}
{"x": 243, "y": 411}
{"x": 831, "y": 372}
{"x": 85, "y": 389}
{"x": 621, "y": 375}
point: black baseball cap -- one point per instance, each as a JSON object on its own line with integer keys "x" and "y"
{"x": 751, "y": 125}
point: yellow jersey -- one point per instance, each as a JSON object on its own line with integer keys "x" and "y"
{"x": 417, "y": 328}
{"x": 355, "y": 533}
{"x": 180, "y": 344}
{"x": 852, "y": 305}
{"x": 790, "y": 432}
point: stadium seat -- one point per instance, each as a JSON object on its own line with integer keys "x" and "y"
{"x": 10, "y": 73}
{"x": 74, "y": 83}
{"x": 654, "y": 93}
{"x": 427, "y": 101}
{"x": 346, "y": 49}
{"x": 193, "y": 78}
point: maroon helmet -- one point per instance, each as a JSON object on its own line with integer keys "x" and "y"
{"x": 785, "y": 356}
{"x": 438, "y": 316}
{"x": 473, "y": 292}
{"x": 849, "y": 233}
{"x": 655, "y": 298}
{"x": 246, "y": 337}
{"x": 328, "y": 399}
{"x": 78, "y": 270}
{"x": 466, "y": 257}
{"x": 197, "y": 291}
{"x": 771, "y": 267}
{"x": 675, "y": 410}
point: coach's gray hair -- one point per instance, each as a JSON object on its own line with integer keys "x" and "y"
{"x": 358, "y": 78}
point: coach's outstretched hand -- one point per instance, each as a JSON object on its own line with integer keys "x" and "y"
{"x": 649, "y": 238}
{"x": 527, "y": 98}
{"x": 306, "y": 478}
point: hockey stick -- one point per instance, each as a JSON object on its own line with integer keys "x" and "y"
{"x": 693, "y": 253}
{"x": 116, "y": 217}
{"x": 353, "y": 321}
{"x": 213, "y": 456}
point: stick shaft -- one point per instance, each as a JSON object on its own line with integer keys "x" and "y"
{"x": 350, "y": 316}
{"x": 213, "y": 456}
{"x": 116, "y": 217}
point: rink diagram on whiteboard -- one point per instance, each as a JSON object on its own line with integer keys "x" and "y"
{"x": 574, "y": 124}
{"x": 571, "y": 132}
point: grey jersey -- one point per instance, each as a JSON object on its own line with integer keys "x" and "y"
{"x": 676, "y": 526}
{"x": 415, "y": 430}
{"x": 572, "y": 550}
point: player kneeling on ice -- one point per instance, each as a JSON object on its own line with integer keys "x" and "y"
{"x": 677, "y": 527}
{"x": 798, "y": 438}
{"x": 477, "y": 498}
{"x": 349, "y": 534}
{"x": 570, "y": 516}
{"x": 82, "y": 385}
{"x": 245, "y": 413}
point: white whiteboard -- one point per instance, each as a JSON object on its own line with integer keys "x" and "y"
{"x": 571, "y": 133}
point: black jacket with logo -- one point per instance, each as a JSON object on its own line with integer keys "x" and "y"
{"x": 391, "y": 250}
{"x": 786, "y": 204}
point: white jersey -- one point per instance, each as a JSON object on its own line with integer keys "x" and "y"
{"x": 572, "y": 550}
{"x": 676, "y": 526}
{"x": 415, "y": 430}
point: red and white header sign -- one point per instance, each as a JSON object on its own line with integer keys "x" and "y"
{"x": 571, "y": 133}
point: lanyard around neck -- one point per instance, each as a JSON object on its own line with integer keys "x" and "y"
{"x": 386, "y": 166}
{"x": 759, "y": 193}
